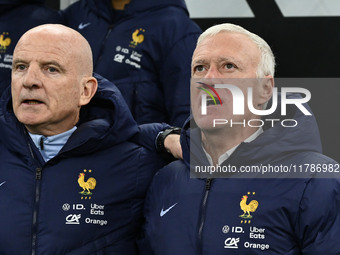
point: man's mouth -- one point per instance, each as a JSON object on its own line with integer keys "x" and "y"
{"x": 32, "y": 102}
{"x": 211, "y": 101}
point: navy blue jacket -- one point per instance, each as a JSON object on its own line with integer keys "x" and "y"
{"x": 247, "y": 216}
{"x": 41, "y": 205}
{"x": 16, "y": 17}
{"x": 145, "y": 50}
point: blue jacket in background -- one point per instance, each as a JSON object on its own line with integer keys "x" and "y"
{"x": 145, "y": 50}
{"x": 16, "y": 17}
{"x": 41, "y": 206}
{"x": 286, "y": 216}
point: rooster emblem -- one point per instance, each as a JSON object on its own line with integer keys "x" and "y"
{"x": 248, "y": 208}
{"x": 88, "y": 185}
{"x": 137, "y": 37}
{"x": 4, "y": 42}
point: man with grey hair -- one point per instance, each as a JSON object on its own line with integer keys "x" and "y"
{"x": 190, "y": 209}
{"x": 72, "y": 176}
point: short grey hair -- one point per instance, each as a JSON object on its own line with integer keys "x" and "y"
{"x": 267, "y": 61}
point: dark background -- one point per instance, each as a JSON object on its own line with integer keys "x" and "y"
{"x": 304, "y": 47}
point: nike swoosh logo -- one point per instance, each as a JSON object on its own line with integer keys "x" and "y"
{"x": 2, "y": 183}
{"x": 163, "y": 212}
{"x": 82, "y": 26}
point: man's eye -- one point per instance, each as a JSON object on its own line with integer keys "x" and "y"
{"x": 21, "y": 67}
{"x": 199, "y": 68}
{"x": 52, "y": 69}
{"x": 229, "y": 66}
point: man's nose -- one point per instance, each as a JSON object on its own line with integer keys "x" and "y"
{"x": 212, "y": 72}
{"x": 32, "y": 77}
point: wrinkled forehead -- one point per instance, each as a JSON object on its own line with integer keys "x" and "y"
{"x": 43, "y": 47}
{"x": 231, "y": 45}
{"x": 44, "y": 40}
{"x": 56, "y": 41}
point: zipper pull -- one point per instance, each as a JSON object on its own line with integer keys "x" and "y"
{"x": 38, "y": 174}
{"x": 208, "y": 184}
{"x": 41, "y": 143}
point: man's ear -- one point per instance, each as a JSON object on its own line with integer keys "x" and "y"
{"x": 267, "y": 85}
{"x": 88, "y": 89}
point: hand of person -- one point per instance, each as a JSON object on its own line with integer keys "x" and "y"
{"x": 172, "y": 145}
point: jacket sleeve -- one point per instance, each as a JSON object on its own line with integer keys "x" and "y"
{"x": 175, "y": 78}
{"x": 319, "y": 218}
{"x": 147, "y": 134}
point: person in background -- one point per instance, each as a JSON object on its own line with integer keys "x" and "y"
{"x": 144, "y": 48}
{"x": 243, "y": 212}
{"x": 16, "y": 17}
{"x": 72, "y": 177}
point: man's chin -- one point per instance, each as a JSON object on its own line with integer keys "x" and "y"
{"x": 29, "y": 120}
{"x": 208, "y": 126}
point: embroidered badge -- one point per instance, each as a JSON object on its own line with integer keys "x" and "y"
{"x": 248, "y": 208}
{"x": 87, "y": 185}
{"x": 137, "y": 37}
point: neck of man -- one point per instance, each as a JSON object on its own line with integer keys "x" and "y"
{"x": 218, "y": 142}
{"x": 52, "y": 129}
{"x": 120, "y": 4}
